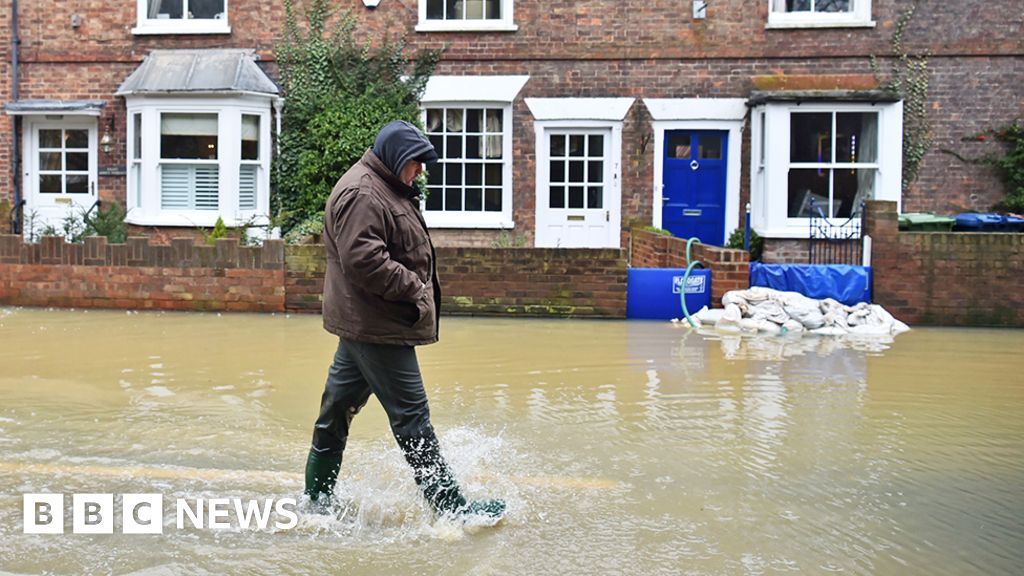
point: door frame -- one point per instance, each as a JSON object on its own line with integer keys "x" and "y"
{"x": 30, "y": 156}
{"x": 613, "y": 190}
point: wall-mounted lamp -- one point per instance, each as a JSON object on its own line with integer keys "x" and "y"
{"x": 107, "y": 141}
{"x": 371, "y": 4}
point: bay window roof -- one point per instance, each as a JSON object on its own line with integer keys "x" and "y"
{"x": 220, "y": 71}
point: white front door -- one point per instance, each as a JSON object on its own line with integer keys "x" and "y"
{"x": 578, "y": 188}
{"x": 60, "y": 172}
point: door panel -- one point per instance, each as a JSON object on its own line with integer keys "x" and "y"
{"x": 693, "y": 199}
{"x": 60, "y": 172}
{"x": 577, "y": 190}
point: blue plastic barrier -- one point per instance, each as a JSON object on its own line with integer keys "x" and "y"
{"x": 653, "y": 293}
{"x": 1014, "y": 224}
{"x": 847, "y": 284}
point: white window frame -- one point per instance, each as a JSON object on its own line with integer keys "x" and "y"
{"x": 769, "y": 186}
{"x": 143, "y": 194}
{"x": 146, "y": 25}
{"x": 504, "y": 24}
{"x": 486, "y": 92}
{"x": 859, "y": 17}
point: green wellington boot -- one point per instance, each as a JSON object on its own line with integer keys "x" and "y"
{"x": 440, "y": 488}
{"x": 321, "y": 474}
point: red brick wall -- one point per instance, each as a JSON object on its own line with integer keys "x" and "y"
{"x": 594, "y": 48}
{"x": 730, "y": 269}
{"x": 946, "y": 278}
{"x": 138, "y": 275}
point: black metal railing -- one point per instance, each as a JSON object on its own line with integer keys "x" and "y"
{"x": 830, "y": 243}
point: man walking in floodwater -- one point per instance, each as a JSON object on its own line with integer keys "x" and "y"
{"x": 381, "y": 298}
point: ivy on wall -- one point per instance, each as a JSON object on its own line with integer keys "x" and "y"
{"x": 339, "y": 93}
{"x": 908, "y": 79}
{"x": 1008, "y": 162}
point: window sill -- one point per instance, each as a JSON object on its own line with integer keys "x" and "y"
{"x": 191, "y": 218}
{"x": 182, "y": 28}
{"x": 804, "y": 24}
{"x": 466, "y": 26}
{"x": 439, "y": 221}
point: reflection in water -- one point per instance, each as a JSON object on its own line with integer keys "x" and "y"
{"x": 621, "y": 447}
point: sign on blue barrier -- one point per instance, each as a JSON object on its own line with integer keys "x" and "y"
{"x": 653, "y": 293}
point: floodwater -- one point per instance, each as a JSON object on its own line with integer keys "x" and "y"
{"x": 621, "y": 447}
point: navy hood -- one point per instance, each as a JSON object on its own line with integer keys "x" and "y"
{"x": 398, "y": 142}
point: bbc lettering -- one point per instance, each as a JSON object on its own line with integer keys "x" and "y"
{"x": 144, "y": 513}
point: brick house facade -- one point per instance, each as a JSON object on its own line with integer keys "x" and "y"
{"x": 562, "y": 122}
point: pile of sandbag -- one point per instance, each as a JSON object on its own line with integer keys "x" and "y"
{"x": 773, "y": 312}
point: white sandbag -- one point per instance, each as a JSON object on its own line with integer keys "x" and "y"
{"x": 792, "y": 326}
{"x": 730, "y": 319}
{"x": 709, "y": 317}
{"x": 830, "y": 331}
{"x": 749, "y": 325}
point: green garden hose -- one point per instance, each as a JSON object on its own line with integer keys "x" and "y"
{"x": 690, "y": 265}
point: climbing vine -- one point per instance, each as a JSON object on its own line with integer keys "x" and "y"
{"x": 1009, "y": 163}
{"x": 339, "y": 93}
{"x": 908, "y": 79}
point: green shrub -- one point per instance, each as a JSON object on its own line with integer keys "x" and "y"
{"x": 219, "y": 231}
{"x": 656, "y": 230}
{"x": 107, "y": 220}
{"x": 338, "y": 95}
{"x": 756, "y": 243}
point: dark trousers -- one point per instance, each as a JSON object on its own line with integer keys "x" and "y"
{"x": 392, "y": 373}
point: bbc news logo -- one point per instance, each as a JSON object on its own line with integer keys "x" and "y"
{"x": 144, "y": 514}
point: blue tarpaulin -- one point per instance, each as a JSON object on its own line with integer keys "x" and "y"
{"x": 847, "y": 284}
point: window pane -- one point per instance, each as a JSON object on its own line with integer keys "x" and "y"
{"x": 453, "y": 120}
{"x": 832, "y": 5}
{"x": 205, "y": 9}
{"x": 50, "y": 161}
{"x": 453, "y": 199}
{"x": 576, "y": 171}
{"x": 453, "y": 174}
{"x": 453, "y": 147}
{"x": 557, "y": 171}
{"x": 76, "y": 139}
{"x": 492, "y": 200}
{"x": 575, "y": 196}
{"x": 435, "y": 9}
{"x": 595, "y": 172}
{"x": 595, "y": 196}
{"x": 709, "y": 147}
{"x": 435, "y": 174}
{"x": 77, "y": 161}
{"x": 850, "y": 189}
{"x": 474, "y": 175}
{"x": 494, "y": 120}
{"x": 492, "y": 174}
{"x": 434, "y": 119}
{"x": 188, "y": 136}
{"x": 434, "y": 198}
{"x": 557, "y": 145}
{"x": 596, "y": 146}
{"x": 137, "y": 140}
{"x": 50, "y": 139}
{"x": 50, "y": 183}
{"x": 810, "y": 138}
{"x": 494, "y": 147}
{"x": 438, "y": 143}
{"x": 475, "y": 120}
{"x": 474, "y": 9}
{"x": 250, "y": 137}
{"x": 576, "y": 145}
{"x": 474, "y": 199}
{"x": 164, "y": 9}
{"x": 474, "y": 147}
{"x": 795, "y": 5}
{"x": 556, "y": 198}
{"x": 807, "y": 185}
{"x": 493, "y": 9}
{"x": 77, "y": 183}
{"x": 679, "y": 146}
{"x": 857, "y": 137}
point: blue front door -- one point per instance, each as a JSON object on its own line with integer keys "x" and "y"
{"x": 693, "y": 198}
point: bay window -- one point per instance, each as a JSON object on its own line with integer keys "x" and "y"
{"x": 822, "y": 159}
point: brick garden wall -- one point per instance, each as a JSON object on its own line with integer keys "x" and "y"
{"x": 276, "y": 277}
{"x": 947, "y": 278}
{"x": 730, "y": 269}
{"x": 138, "y": 275}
